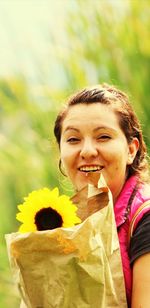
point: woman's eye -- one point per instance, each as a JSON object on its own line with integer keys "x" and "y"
{"x": 104, "y": 137}
{"x": 72, "y": 140}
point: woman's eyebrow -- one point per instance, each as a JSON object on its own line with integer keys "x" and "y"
{"x": 71, "y": 128}
{"x": 104, "y": 128}
{"x": 68, "y": 128}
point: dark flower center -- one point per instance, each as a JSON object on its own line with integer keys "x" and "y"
{"x": 48, "y": 219}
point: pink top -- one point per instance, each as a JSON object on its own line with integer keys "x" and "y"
{"x": 123, "y": 217}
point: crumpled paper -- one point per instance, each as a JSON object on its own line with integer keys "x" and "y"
{"x": 78, "y": 267}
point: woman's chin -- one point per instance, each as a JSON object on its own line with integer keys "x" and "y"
{"x": 87, "y": 178}
{"x": 80, "y": 185}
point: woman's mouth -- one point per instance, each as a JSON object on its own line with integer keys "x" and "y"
{"x": 92, "y": 168}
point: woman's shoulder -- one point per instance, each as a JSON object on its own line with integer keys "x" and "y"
{"x": 140, "y": 239}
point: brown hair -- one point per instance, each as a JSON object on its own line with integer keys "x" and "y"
{"x": 128, "y": 121}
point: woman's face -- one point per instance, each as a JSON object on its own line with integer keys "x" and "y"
{"x": 92, "y": 141}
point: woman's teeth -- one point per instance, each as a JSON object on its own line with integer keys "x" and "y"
{"x": 90, "y": 168}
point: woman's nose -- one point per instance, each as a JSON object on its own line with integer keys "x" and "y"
{"x": 88, "y": 149}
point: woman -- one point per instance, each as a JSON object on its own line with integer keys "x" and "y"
{"x": 98, "y": 131}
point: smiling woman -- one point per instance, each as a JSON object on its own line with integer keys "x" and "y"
{"x": 91, "y": 144}
{"x": 98, "y": 131}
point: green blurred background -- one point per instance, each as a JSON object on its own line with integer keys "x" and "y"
{"x": 49, "y": 49}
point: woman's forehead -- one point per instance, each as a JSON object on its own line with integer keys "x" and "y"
{"x": 95, "y": 114}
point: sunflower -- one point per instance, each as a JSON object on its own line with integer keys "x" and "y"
{"x": 44, "y": 209}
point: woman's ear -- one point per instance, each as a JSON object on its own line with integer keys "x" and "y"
{"x": 133, "y": 148}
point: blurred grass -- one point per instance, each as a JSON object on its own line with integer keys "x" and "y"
{"x": 103, "y": 42}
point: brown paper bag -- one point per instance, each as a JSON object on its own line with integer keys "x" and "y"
{"x": 78, "y": 267}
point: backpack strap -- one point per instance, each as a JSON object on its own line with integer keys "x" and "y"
{"x": 145, "y": 205}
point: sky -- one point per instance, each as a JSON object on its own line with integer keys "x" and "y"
{"x": 26, "y": 29}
